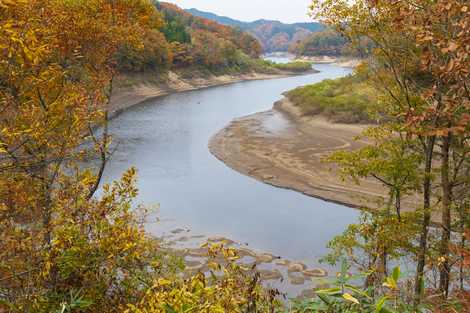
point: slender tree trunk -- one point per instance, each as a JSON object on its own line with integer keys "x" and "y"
{"x": 103, "y": 156}
{"x": 46, "y": 206}
{"x": 423, "y": 241}
{"x": 444, "y": 274}
{"x": 398, "y": 204}
{"x": 462, "y": 256}
{"x": 46, "y": 221}
{"x": 382, "y": 260}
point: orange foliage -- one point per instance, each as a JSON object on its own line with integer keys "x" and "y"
{"x": 202, "y": 27}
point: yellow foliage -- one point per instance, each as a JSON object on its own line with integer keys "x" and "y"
{"x": 227, "y": 290}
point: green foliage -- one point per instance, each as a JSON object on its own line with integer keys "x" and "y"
{"x": 390, "y": 159}
{"x": 365, "y": 243}
{"x": 266, "y": 66}
{"x": 345, "y": 297}
{"x": 296, "y": 66}
{"x": 345, "y": 100}
{"x": 175, "y": 30}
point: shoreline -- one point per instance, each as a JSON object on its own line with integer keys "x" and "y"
{"x": 292, "y": 157}
{"x": 339, "y": 61}
{"x": 126, "y": 97}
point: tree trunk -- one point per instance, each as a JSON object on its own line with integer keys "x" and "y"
{"x": 462, "y": 255}
{"x": 398, "y": 204}
{"x": 46, "y": 215}
{"x": 445, "y": 267}
{"x": 423, "y": 241}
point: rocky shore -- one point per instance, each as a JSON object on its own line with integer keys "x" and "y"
{"x": 293, "y": 278}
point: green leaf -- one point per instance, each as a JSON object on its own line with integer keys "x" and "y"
{"x": 324, "y": 298}
{"x": 329, "y": 291}
{"x": 380, "y": 304}
{"x": 396, "y": 273}
{"x": 169, "y": 309}
{"x": 358, "y": 291}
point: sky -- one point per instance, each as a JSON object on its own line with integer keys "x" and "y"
{"x": 287, "y": 11}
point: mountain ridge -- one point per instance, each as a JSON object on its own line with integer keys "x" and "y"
{"x": 273, "y": 35}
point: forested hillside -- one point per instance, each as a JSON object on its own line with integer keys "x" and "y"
{"x": 273, "y": 35}
{"x": 179, "y": 41}
{"x": 329, "y": 42}
{"x": 182, "y": 40}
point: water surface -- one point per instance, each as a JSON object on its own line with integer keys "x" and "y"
{"x": 167, "y": 138}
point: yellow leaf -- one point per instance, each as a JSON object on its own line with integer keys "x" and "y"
{"x": 164, "y": 282}
{"x": 350, "y": 298}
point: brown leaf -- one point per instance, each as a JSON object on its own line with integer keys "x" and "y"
{"x": 452, "y": 46}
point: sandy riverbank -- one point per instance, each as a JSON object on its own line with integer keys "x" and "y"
{"x": 146, "y": 87}
{"x": 291, "y": 156}
{"x": 339, "y": 61}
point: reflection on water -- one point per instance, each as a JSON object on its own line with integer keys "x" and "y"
{"x": 166, "y": 139}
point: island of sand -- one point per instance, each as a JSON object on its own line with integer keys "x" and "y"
{"x": 285, "y": 149}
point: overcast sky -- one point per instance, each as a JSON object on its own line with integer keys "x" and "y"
{"x": 288, "y": 11}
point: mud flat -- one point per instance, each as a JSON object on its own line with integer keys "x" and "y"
{"x": 284, "y": 149}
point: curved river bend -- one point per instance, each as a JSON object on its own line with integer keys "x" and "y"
{"x": 166, "y": 139}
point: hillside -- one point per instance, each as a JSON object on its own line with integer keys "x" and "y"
{"x": 273, "y": 35}
{"x": 326, "y": 42}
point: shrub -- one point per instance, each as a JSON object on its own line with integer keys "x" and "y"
{"x": 345, "y": 100}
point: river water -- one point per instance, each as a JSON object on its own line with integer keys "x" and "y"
{"x": 166, "y": 139}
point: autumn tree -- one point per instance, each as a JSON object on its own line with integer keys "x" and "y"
{"x": 422, "y": 72}
{"x": 56, "y": 68}
{"x": 155, "y": 54}
{"x": 64, "y": 248}
{"x": 185, "y": 28}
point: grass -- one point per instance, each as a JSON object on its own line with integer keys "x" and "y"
{"x": 265, "y": 66}
{"x": 296, "y": 66}
{"x": 343, "y": 100}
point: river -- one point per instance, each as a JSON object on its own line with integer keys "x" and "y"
{"x": 166, "y": 140}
